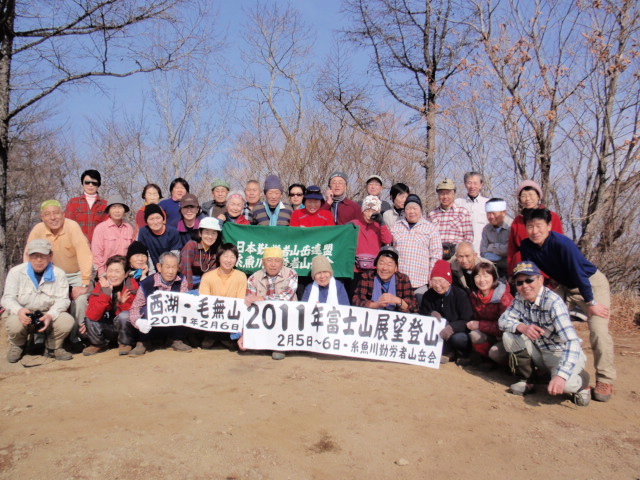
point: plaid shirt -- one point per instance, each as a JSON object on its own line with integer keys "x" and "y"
{"x": 140, "y": 302}
{"x": 194, "y": 261}
{"x": 454, "y": 224}
{"x": 78, "y": 209}
{"x": 404, "y": 290}
{"x": 418, "y": 248}
{"x": 549, "y": 312}
{"x": 281, "y": 287}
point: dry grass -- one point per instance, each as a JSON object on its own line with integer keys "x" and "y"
{"x": 625, "y": 313}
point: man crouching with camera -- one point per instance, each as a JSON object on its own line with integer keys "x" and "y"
{"x": 33, "y": 288}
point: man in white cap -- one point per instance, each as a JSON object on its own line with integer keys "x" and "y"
{"x": 494, "y": 245}
{"x": 273, "y": 281}
{"x": 474, "y": 203}
{"x": 37, "y": 288}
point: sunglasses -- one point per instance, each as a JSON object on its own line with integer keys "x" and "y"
{"x": 91, "y": 182}
{"x": 528, "y": 281}
{"x": 296, "y": 194}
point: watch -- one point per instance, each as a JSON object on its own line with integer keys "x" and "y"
{"x": 592, "y": 303}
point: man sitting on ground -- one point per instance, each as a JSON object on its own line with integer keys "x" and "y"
{"x": 538, "y": 331}
{"x": 37, "y": 285}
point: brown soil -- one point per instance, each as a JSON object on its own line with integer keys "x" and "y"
{"x": 221, "y": 415}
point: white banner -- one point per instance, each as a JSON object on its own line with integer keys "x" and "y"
{"x": 204, "y": 312}
{"x": 299, "y": 326}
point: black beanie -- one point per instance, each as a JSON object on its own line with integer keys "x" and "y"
{"x": 151, "y": 209}
{"x": 134, "y": 248}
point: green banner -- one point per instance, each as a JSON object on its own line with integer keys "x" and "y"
{"x": 300, "y": 245}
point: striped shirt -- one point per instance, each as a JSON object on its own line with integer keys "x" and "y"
{"x": 549, "y": 312}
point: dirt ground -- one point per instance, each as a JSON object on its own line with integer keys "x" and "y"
{"x": 221, "y": 415}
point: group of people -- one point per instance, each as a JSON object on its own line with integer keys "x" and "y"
{"x": 87, "y": 272}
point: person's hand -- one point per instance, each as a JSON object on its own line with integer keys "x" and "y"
{"x": 329, "y": 196}
{"x": 78, "y": 291}
{"x": 82, "y": 328}
{"x": 123, "y": 296}
{"x": 251, "y": 299}
{"x": 221, "y": 217}
{"x": 375, "y": 305}
{"x": 241, "y": 344}
{"x": 104, "y": 283}
{"x": 446, "y": 333}
{"x": 556, "y": 385}
{"x": 531, "y": 331}
{"x": 386, "y": 299}
{"x": 143, "y": 325}
{"x": 473, "y": 325}
{"x": 46, "y": 319}
{"x": 22, "y": 316}
{"x": 600, "y": 311}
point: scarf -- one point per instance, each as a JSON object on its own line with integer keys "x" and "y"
{"x": 332, "y": 294}
{"x": 336, "y": 203}
{"x": 47, "y": 275}
{"x": 387, "y": 287}
{"x": 273, "y": 217}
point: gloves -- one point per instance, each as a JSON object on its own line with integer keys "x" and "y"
{"x": 143, "y": 325}
{"x": 447, "y": 332}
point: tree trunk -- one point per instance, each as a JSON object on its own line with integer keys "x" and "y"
{"x": 7, "y": 16}
{"x": 429, "y": 162}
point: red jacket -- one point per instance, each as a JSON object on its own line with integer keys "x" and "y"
{"x": 302, "y": 218}
{"x": 488, "y": 313}
{"x": 101, "y": 300}
{"x": 347, "y": 210}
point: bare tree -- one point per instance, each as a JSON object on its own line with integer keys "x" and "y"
{"x": 417, "y": 47}
{"x": 46, "y": 47}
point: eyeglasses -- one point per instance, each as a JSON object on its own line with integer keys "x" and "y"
{"x": 528, "y": 281}
{"x": 296, "y": 194}
{"x": 91, "y": 182}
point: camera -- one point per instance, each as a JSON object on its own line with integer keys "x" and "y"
{"x": 35, "y": 320}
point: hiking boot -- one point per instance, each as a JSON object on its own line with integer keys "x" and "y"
{"x": 602, "y": 392}
{"x": 278, "y": 355}
{"x": 124, "y": 349}
{"x": 180, "y": 346}
{"x": 93, "y": 349}
{"x": 521, "y": 388}
{"x": 58, "y": 354}
{"x": 464, "y": 361}
{"x": 138, "y": 350}
{"x": 208, "y": 342}
{"x": 582, "y": 398}
{"x": 15, "y": 353}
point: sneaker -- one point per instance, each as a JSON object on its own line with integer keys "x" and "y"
{"x": 180, "y": 346}
{"x": 602, "y": 392}
{"x": 582, "y": 398}
{"x": 15, "y": 353}
{"x": 58, "y": 354}
{"x": 92, "y": 350}
{"x": 521, "y": 388}
{"x": 278, "y": 355}
{"x": 138, "y": 350}
{"x": 444, "y": 359}
{"x": 124, "y": 349}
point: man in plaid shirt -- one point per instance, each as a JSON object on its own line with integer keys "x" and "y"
{"x": 538, "y": 331}
{"x": 453, "y": 222}
{"x": 89, "y": 209}
{"x": 273, "y": 282}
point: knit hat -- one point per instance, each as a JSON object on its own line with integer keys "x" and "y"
{"x": 210, "y": 223}
{"x": 413, "y": 198}
{"x": 529, "y": 183}
{"x": 338, "y": 174}
{"x": 273, "y": 252}
{"x": 442, "y": 269}
{"x": 314, "y": 193}
{"x": 236, "y": 193}
{"x": 319, "y": 264}
{"x": 218, "y": 182}
{"x": 387, "y": 251}
{"x": 117, "y": 200}
{"x": 189, "y": 200}
{"x": 446, "y": 184}
{"x": 151, "y": 209}
{"x": 39, "y": 245}
{"x": 371, "y": 202}
{"x": 50, "y": 203}
{"x": 273, "y": 182}
{"x": 135, "y": 248}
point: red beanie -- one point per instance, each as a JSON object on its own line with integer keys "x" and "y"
{"x": 442, "y": 269}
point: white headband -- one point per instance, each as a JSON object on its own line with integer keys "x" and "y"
{"x": 499, "y": 206}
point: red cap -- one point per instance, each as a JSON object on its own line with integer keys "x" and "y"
{"x": 442, "y": 269}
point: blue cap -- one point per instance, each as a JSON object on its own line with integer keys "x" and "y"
{"x": 526, "y": 268}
